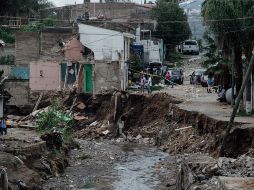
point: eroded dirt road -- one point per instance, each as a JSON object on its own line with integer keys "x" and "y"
{"x": 114, "y": 166}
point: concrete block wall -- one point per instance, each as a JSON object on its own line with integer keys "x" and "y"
{"x": 49, "y": 39}
{"x": 27, "y": 47}
{"x": 106, "y": 76}
{"x": 109, "y": 10}
{"x": 19, "y": 89}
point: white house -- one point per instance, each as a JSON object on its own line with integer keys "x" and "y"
{"x": 109, "y": 49}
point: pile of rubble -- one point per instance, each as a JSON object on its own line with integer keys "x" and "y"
{"x": 203, "y": 172}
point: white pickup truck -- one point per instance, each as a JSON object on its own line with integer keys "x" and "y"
{"x": 190, "y": 47}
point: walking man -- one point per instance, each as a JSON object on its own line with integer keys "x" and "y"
{"x": 149, "y": 84}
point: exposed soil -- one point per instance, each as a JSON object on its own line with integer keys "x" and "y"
{"x": 150, "y": 117}
{"x": 26, "y": 157}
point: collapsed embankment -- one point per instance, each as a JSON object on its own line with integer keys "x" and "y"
{"x": 26, "y": 158}
{"x": 159, "y": 117}
{"x": 156, "y": 119}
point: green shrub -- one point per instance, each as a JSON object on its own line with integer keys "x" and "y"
{"x": 7, "y": 36}
{"x": 48, "y": 22}
{"x": 7, "y": 60}
{"x": 55, "y": 118}
{"x": 37, "y": 26}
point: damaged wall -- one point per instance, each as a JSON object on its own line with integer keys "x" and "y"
{"x": 106, "y": 44}
{"x": 106, "y": 76}
{"x": 69, "y": 74}
{"x": 50, "y": 38}
{"x": 111, "y": 51}
{"x": 19, "y": 89}
{"x": 73, "y": 51}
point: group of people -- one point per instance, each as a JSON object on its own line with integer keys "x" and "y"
{"x": 3, "y": 126}
{"x": 146, "y": 81}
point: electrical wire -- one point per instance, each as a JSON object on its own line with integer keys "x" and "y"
{"x": 138, "y": 22}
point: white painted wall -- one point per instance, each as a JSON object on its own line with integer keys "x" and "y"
{"x": 106, "y": 44}
{"x": 152, "y": 50}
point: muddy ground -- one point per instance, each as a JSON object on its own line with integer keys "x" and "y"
{"x": 143, "y": 157}
{"x": 110, "y": 165}
{"x": 155, "y": 128}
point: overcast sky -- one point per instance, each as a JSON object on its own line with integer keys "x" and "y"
{"x": 71, "y": 2}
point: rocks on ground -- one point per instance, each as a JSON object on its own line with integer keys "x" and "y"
{"x": 199, "y": 171}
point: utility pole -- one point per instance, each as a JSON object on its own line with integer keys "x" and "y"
{"x": 232, "y": 77}
{"x": 238, "y": 99}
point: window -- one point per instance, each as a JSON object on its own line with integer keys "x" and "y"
{"x": 190, "y": 43}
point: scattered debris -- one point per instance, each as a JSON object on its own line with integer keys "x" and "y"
{"x": 106, "y": 132}
{"x": 78, "y": 118}
{"x": 183, "y": 128}
{"x": 81, "y": 106}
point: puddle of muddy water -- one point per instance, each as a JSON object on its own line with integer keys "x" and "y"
{"x": 105, "y": 166}
{"x": 137, "y": 172}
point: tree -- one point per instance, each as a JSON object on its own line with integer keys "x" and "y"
{"x": 17, "y": 7}
{"x": 231, "y": 22}
{"x": 172, "y": 24}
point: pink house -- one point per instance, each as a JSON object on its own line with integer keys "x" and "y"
{"x": 55, "y": 73}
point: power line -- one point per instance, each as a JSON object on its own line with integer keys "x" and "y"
{"x": 138, "y": 22}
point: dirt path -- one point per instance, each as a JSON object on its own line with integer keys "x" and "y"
{"x": 110, "y": 166}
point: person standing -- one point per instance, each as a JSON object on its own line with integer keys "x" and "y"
{"x": 209, "y": 85}
{"x": 142, "y": 83}
{"x": 3, "y": 126}
{"x": 149, "y": 84}
{"x": 167, "y": 78}
{"x": 1, "y": 130}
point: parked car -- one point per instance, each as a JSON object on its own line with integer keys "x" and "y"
{"x": 197, "y": 76}
{"x": 190, "y": 47}
{"x": 177, "y": 75}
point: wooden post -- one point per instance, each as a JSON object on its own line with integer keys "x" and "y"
{"x": 38, "y": 102}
